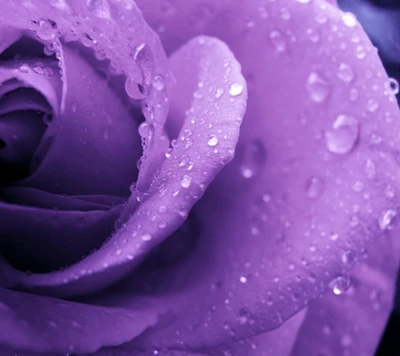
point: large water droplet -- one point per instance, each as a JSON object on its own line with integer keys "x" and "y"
{"x": 340, "y": 285}
{"x": 388, "y": 219}
{"x": 317, "y": 87}
{"x": 343, "y": 136}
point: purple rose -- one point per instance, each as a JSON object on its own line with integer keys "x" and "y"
{"x": 235, "y": 196}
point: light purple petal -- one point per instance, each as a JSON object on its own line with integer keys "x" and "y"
{"x": 314, "y": 178}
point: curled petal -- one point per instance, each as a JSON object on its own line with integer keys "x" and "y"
{"x": 207, "y": 139}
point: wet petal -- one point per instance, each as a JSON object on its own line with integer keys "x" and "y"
{"x": 353, "y": 322}
{"x": 207, "y": 139}
{"x": 41, "y": 324}
{"x": 315, "y": 172}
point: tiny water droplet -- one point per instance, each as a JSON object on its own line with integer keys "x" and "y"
{"x": 394, "y": 86}
{"x": 87, "y": 40}
{"x": 343, "y": 136}
{"x": 349, "y": 19}
{"x": 312, "y": 35}
{"x": 372, "y": 105}
{"x": 236, "y": 89}
{"x": 314, "y": 187}
{"x": 388, "y": 220}
{"x": 349, "y": 257}
{"x": 317, "y": 87}
{"x": 146, "y": 237}
{"x": 158, "y": 82}
{"x": 278, "y": 41}
{"x": 340, "y": 285}
{"x": 212, "y": 140}
{"x": 345, "y": 73}
{"x": 254, "y": 157}
{"x": 47, "y": 30}
{"x": 370, "y": 169}
{"x": 132, "y": 89}
{"x": 219, "y": 93}
{"x": 243, "y": 279}
{"x": 186, "y": 181}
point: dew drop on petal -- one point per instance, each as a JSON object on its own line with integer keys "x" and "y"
{"x": 317, "y": 87}
{"x": 47, "y": 30}
{"x": 236, "y": 89}
{"x": 158, "y": 82}
{"x": 349, "y": 19}
{"x": 343, "y": 136}
{"x": 132, "y": 89}
{"x": 278, "y": 41}
{"x": 340, "y": 285}
{"x": 370, "y": 169}
{"x": 219, "y": 93}
{"x": 254, "y": 156}
{"x": 345, "y": 73}
{"x": 388, "y": 220}
{"x": 186, "y": 181}
{"x": 394, "y": 86}
{"x": 146, "y": 237}
{"x": 212, "y": 140}
{"x": 314, "y": 187}
{"x": 372, "y": 105}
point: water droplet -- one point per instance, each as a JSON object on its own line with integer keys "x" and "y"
{"x": 243, "y": 279}
{"x": 132, "y": 89}
{"x": 303, "y": 1}
{"x": 390, "y": 191}
{"x": 162, "y": 209}
{"x": 317, "y": 87}
{"x": 388, "y": 219}
{"x": 278, "y": 41}
{"x": 236, "y": 89}
{"x": 219, "y": 93}
{"x": 24, "y": 68}
{"x": 212, "y": 140}
{"x": 372, "y": 105}
{"x": 344, "y": 134}
{"x": 349, "y": 19}
{"x": 146, "y": 237}
{"x": 186, "y": 181}
{"x": 346, "y": 340}
{"x": 345, "y": 73}
{"x": 314, "y": 187}
{"x": 285, "y": 13}
{"x": 99, "y": 8}
{"x": 340, "y": 285}
{"x": 47, "y": 119}
{"x": 87, "y": 40}
{"x": 360, "y": 52}
{"x": 188, "y": 143}
{"x": 254, "y": 156}
{"x": 394, "y": 86}
{"x": 312, "y": 35}
{"x": 47, "y": 29}
{"x": 158, "y": 82}
{"x": 370, "y": 169}
{"x": 349, "y": 257}
{"x": 358, "y": 186}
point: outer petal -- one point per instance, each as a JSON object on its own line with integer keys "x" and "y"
{"x": 352, "y": 323}
{"x": 306, "y": 196}
{"x": 40, "y": 324}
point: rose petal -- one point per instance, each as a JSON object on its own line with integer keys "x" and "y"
{"x": 353, "y": 322}
{"x": 213, "y": 122}
{"x": 299, "y": 194}
{"x": 64, "y": 236}
{"x": 90, "y": 132}
{"x": 42, "y": 324}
